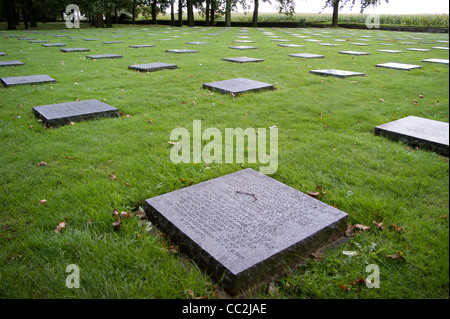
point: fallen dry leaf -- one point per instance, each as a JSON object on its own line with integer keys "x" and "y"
{"x": 60, "y": 226}
{"x": 117, "y": 225}
{"x": 42, "y": 163}
{"x": 42, "y": 202}
{"x": 317, "y": 256}
{"x": 191, "y": 293}
{"x": 379, "y": 225}
{"x": 358, "y": 281}
{"x": 124, "y": 215}
{"x": 112, "y": 177}
{"x": 172, "y": 143}
{"x": 395, "y": 257}
{"x": 344, "y": 287}
{"x": 313, "y": 194}
{"x": 362, "y": 227}
{"x": 349, "y": 230}
{"x": 396, "y": 227}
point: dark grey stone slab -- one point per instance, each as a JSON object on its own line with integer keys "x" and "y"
{"x": 141, "y": 46}
{"x": 180, "y": 51}
{"x": 243, "y": 47}
{"x": 238, "y": 85}
{"x": 104, "y": 56}
{"x": 438, "y": 61}
{"x": 245, "y": 228}
{"x": 150, "y": 67}
{"x": 38, "y": 41}
{"x": 417, "y": 131}
{"x": 50, "y": 45}
{"x": 26, "y": 39}
{"x": 3, "y": 54}
{"x": 336, "y": 73}
{"x": 92, "y": 39}
{"x": 243, "y": 59}
{"x": 68, "y": 50}
{"x": 60, "y": 114}
{"x": 10, "y": 63}
{"x": 29, "y": 79}
{"x": 307, "y": 56}
{"x": 354, "y": 53}
{"x": 398, "y": 66}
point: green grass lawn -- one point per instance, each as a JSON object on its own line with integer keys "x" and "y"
{"x": 325, "y": 139}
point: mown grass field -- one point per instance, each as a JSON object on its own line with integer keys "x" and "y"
{"x": 325, "y": 139}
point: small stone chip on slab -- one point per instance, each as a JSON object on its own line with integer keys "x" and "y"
{"x": 354, "y": 53}
{"x": 68, "y": 50}
{"x": 29, "y": 79}
{"x": 180, "y": 51}
{"x": 418, "y": 131}
{"x": 150, "y": 67}
{"x": 104, "y": 56}
{"x": 245, "y": 228}
{"x": 307, "y": 56}
{"x": 60, "y": 114}
{"x": 336, "y": 73}
{"x": 238, "y": 85}
{"x": 438, "y": 61}
{"x": 242, "y": 59}
{"x": 11, "y": 63}
{"x": 398, "y": 66}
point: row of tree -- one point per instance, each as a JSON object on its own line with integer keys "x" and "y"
{"x": 103, "y": 12}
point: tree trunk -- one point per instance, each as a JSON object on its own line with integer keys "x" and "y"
{"x": 180, "y": 13}
{"x": 25, "y": 15}
{"x": 15, "y": 13}
{"x": 116, "y": 17}
{"x": 99, "y": 23}
{"x": 335, "y": 22}
{"x": 212, "y": 16}
{"x": 154, "y": 13}
{"x": 31, "y": 15}
{"x": 109, "y": 20}
{"x": 255, "y": 14}
{"x": 190, "y": 10}
{"x": 208, "y": 4}
{"x": 9, "y": 14}
{"x": 172, "y": 13}
{"x": 228, "y": 13}
{"x": 133, "y": 11}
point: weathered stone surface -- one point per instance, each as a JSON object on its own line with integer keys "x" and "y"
{"x": 418, "y": 49}
{"x": 243, "y": 59}
{"x": 38, "y": 41}
{"x": 398, "y": 66}
{"x": 10, "y": 63}
{"x": 180, "y": 51}
{"x": 64, "y": 113}
{"x": 245, "y": 227}
{"x": 336, "y": 73}
{"x": 238, "y": 85}
{"x": 113, "y": 42}
{"x": 307, "y": 56}
{"x": 104, "y": 56}
{"x": 243, "y": 47}
{"x": 197, "y": 42}
{"x": 290, "y": 45}
{"x": 440, "y": 48}
{"x": 438, "y": 61}
{"x": 68, "y": 50}
{"x": 418, "y": 131}
{"x": 51, "y": 45}
{"x": 141, "y": 46}
{"x": 354, "y": 53}
{"x": 390, "y": 51}
{"x": 3, "y": 54}
{"x": 150, "y": 67}
{"x": 30, "y": 79}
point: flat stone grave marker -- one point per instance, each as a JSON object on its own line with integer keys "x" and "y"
{"x": 280, "y": 40}
{"x": 327, "y": 44}
{"x": 26, "y": 39}
{"x": 243, "y": 41}
{"x": 11, "y": 63}
{"x": 243, "y": 59}
{"x": 245, "y": 228}
{"x": 418, "y": 131}
{"x": 104, "y": 56}
{"x": 336, "y": 73}
{"x": 390, "y": 51}
{"x": 29, "y": 79}
{"x": 440, "y": 48}
{"x": 398, "y": 66}
{"x": 197, "y": 42}
{"x": 243, "y": 47}
{"x": 113, "y": 42}
{"x": 438, "y": 61}
{"x": 181, "y": 51}
{"x": 50, "y": 45}
{"x": 92, "y": 39}
{"x": 361, "y": 44}
{"x": 38, "y": 41}
{"x": 418, "y": 49}
{"x": 60, "y": 114}
{"x": 68, "y": 50}
{"x": 141, "y": 46}
{"x": 290, "y": 45}
{"x": 3, "y": 54}
{"x": 150, "y": 67}
{"x": 354, "y": 53}
{"x": 238, "y": 85}
{"x": 307, "y": 56}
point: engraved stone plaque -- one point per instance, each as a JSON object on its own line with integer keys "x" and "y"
{"x": 398, "y": 66}
{"x": 141, "y": 46}
{"x": 438, "y": 61}
{"x": 29, "y": 79}
{"x": 10, "y": 63}
{"x": 75, "y": 50}
{"x": 243, "y": 59}
{"x": 336, "y": 73}
{"x": 181, "y": 51}
{"x": 51, "y": 45}
{"x": 64, "y": 113}
{"x": 150, "y": 67}
{"x": 245, "y": 227}
{"x": 307, "y": 56}
{"x": 239, "y": 85}
{"x": 354, "y": 53}
{"x": 104, "y": 56}
{"x": 418, "y": 131}
{"x": 243, "y": 47}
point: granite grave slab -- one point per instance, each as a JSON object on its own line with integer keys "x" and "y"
{"x": 238, "y": 85}
{"x": 290, "y": 45}
{"x": 104, "y": 56}
{"x": 51, "y": 45}
{"x": 243, "y": 59}
{"x": 28, "y": 79}
{"x": 181, "y": 51}
{"x": 141, "y": 46}
{"x": 68, "y": 50}
{"x": 417, "y": 131}
{"x": 336, "y": 73}
{"x": 398, "y": 66}
{"x": 243, "y": 47}
{"x": 390, "y": 51}
{"x": 245, "y": 227}
{"x": 354, "y": 53}
{"x": 60, "y": 114}
{"x": 11, "y": 63}
{"x": 3, "y": 54}
{"x": 307, "y": 56}
{"x": 418, "y": 49}
{"x": 438, "y": 61}
{"x": 151, "y": 67}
